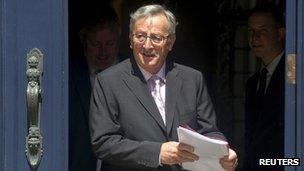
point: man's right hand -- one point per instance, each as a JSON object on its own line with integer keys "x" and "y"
{"x": 176, "y": 153}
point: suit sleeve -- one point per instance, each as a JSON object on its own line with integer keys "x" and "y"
{"x": 249, "y": 117}
{"x": 206, "y": 117}
{"x": 107, "y": 137}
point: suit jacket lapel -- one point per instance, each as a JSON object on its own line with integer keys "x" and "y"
{"x": 276, "y": 78}
{"x": 173, "y": 85}
{"x": 137, "y": 84}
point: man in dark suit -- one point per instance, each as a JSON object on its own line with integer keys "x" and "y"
{"x": 265, "y": 89}
{"x": 138, "y": 104}
{"x": 100, "y": 41}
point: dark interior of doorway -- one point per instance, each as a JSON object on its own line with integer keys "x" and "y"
{"x": 207, "y": 40}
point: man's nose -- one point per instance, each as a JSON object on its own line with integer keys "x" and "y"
{"x": 148, "y": 43}
{"x": 255, "y": 35}
{"x": 101, "y": 50}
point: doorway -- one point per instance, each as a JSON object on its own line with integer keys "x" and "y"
{"x": 211, "y": 38}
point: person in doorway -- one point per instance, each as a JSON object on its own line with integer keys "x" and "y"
{"x": 264, "y": 110}
{"x": 100, "y": 41}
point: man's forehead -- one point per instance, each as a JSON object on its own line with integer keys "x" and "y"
{"x": 155, "y": 24}
{"x": 104, "y": 34}
{"x": 261, "y": 20}
{"x": 258, "y": 25}
{"x": 158, "y": 20}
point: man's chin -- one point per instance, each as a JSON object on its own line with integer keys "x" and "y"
{"x": 103, "y": 65}
{"x": 103, "y": 61}
{"x": 257, "y": 53}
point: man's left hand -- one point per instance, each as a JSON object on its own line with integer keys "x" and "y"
{"x": 229, "y": 162}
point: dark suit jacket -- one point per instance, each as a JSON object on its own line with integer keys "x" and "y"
{"x": 81, "y": 157}
{"x": 126, "y": 127}
{"x": 265, "y": 129}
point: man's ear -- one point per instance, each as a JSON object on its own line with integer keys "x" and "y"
{"x": 172, "y": 39}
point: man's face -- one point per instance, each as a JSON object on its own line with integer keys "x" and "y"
{"x": 151, "y": 42}
{"x": 101, "y": 48}
{"x": 265, "y": 37}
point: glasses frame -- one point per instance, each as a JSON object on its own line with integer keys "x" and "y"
{"x": 164, "y": 38}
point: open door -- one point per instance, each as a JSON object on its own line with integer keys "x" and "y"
{"x": 26, "y": 25}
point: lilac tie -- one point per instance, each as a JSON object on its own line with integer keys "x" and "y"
{"x": 154, "y": 84}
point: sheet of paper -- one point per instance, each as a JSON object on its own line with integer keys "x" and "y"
{"x": 209, "y": 150}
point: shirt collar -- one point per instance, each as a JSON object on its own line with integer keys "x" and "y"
{"x": 272, "y": 66}
{"x": 160, "y": 73}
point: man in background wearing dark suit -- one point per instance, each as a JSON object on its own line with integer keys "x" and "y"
{"x": 100, "y": 41}
{"x": 265, "y": 89}
{"x": 138, "y": 104}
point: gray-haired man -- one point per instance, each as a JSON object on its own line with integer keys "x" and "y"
{"x": 138, "y": 104}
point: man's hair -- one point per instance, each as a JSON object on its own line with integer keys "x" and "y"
{"x": 99, "y": 21}
{"x": 268, "y": 7}
{"x": 153, "y": 10}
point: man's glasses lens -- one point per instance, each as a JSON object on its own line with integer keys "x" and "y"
{"x": 156, "y": 39}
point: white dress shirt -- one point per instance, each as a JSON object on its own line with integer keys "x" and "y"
{"x": 271, "y": 68}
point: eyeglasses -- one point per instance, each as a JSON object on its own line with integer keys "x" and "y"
{"x": 155, "y": 38}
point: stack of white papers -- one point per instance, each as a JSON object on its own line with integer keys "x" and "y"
{"x": 209, "y": 150}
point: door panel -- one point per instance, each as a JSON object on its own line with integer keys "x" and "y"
{"x": 26, "y": 25}
{"x": 300, "y": 84}
{"x": 294, "y": 130}
{"x": 290, "y": 112}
